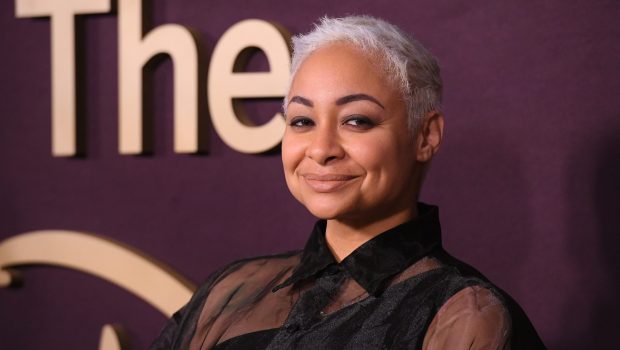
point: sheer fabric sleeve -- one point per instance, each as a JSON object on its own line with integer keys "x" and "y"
{"x": 168, "y": 333}
{"x": 233, "y": 301}
{"x": 473, "y": 318}
{"x": 182, "y": 323}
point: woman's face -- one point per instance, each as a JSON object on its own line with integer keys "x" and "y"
{"x": 348, "y": 153}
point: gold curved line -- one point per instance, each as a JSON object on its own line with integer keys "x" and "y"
{"x": 110, "y": 260}
{"x": 111, "y": 338}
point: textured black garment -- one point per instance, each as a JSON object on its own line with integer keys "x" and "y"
{"x": 369, "y": 324}
{"x": 384, "y": 295}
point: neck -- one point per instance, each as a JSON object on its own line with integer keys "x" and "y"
{"x": 344, "y": 236}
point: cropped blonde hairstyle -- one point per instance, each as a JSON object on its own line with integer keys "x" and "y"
{"x": 408, "y": 64}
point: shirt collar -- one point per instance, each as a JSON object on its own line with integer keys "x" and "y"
{"x": 376, "y": 261}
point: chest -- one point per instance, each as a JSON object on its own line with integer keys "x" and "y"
{"x": 320, "y": 318}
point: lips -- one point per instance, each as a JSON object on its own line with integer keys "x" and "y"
{"x": 325, "y": 183}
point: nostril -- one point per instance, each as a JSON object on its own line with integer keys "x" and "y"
{"x": 329, "y": 159}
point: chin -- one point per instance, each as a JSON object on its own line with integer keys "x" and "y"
{"x": 327, "y": 206}
{"x": 326, "y": 211}
{"x": 322, "y": 214}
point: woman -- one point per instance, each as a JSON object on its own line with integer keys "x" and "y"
{"x": 363, "y": 122}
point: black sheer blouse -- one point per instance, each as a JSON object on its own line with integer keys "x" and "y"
{"x": 400, "y": 290}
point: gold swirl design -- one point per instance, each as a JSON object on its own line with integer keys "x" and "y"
{"x": 113, "y": 261}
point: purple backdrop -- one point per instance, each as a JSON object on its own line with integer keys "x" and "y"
{"x": 527, "y": 180}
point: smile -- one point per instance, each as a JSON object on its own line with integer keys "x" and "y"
{"x": 328, "y": 182}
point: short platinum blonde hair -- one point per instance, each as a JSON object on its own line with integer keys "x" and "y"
{"x": 406, "y": 62}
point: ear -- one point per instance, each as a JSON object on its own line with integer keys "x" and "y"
{"x": 430, "y": 134}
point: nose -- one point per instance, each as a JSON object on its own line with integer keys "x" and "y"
{"x": 325, "y": 146}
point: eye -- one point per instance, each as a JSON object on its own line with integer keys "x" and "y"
{"x": 301, "y": 122}
{"x": 359, "y": 122}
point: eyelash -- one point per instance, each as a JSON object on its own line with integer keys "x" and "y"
{"x": 296, "y": 121}
{"x": 361, "y": 122}
{"x": 355, "y": 121}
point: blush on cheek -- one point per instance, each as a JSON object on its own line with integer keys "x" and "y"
{"x": 292, "y": 182}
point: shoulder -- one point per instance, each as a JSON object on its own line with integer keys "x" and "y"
{"x": 255, "y": 271}
{"x": 484, "y": 309}
{"x": 475, "y": 317}
{"x": 226, "y": 286}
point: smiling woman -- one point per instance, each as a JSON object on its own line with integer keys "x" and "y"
{"x": 348, "y": 154}
{"x": 363, "y": 123}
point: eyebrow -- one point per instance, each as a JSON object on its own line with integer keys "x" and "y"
{"x": 357, "y": 97}
{"x": 301, "y": 100}
{"x": 339, "y": 102}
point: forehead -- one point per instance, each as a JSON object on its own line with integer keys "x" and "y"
{"x": 342, "y": 68}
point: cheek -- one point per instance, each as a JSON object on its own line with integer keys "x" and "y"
{"x": 373, "y": 153}
{"x": 384, "y": 160}
{"x": 292, "y": 153}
